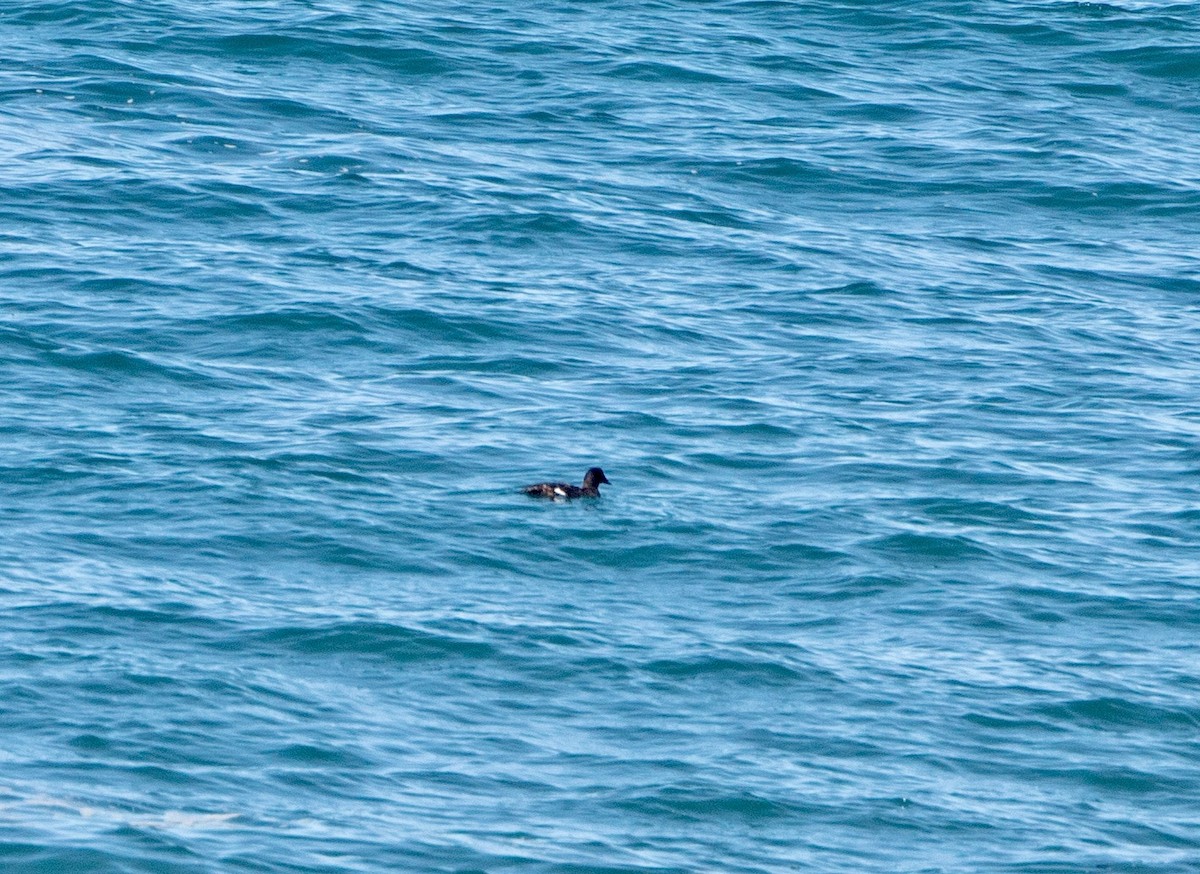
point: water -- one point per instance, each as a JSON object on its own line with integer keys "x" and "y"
{"x": 882, "y": 320}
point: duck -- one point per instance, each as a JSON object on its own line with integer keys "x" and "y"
{"x": 565, "y": 491}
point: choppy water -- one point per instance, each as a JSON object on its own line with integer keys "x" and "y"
{"x": 884, "y": 322}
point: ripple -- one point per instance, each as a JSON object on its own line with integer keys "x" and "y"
{"x": 395, "y": 643}
{"x": 1101, "y": 713}
{"x": 927, "y": 547}
{"x": 745, "y": 671}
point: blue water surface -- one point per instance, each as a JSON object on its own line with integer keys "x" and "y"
{"x": 883, "y": 320}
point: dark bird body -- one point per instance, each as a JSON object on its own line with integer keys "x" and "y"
{"x": 566, "y": 491}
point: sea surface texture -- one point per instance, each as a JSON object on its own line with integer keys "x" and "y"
{"x": 882, "y": 319}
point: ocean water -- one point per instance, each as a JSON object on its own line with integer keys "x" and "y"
{"x": 883, "y": 320}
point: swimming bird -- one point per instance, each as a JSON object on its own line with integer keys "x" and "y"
{"x": 556, "y": 491}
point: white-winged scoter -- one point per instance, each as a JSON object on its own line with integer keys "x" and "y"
{"x": 557, "y": 491}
